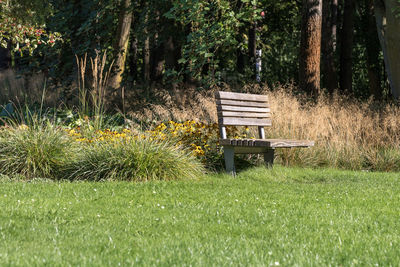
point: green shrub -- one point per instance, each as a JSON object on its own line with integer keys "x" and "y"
{"x": 33, "y": 151}
{"x": 132, "y": 160}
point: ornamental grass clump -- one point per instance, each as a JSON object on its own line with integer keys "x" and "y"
{"x": 136, "y": 159}
{"x": 33, "y": 151}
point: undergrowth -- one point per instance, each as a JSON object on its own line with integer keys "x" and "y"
{"x": 348, "y": 133}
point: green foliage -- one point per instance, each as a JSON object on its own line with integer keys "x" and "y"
{"x": 19, "y": 26}
{"x": 132, "y": 160}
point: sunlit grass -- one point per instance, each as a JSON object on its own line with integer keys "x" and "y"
{"x": 284, "y": 216}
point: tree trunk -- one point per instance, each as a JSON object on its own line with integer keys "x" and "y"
{"x": 346, "y": 48}
{"x": 171, "y": 61}
{"x": 388, "y": 25}
{"x": 310, "y": 47}
{"x": 146, "y": 51}
{"x": 121, "y": 43}
{"x": 157, "y": 49}
{"x": 5, "y": 58}
{"x": 252, "y": 43}
{"x": 133, "y": 66}
{"x": 157, "y": 62}
{"x": 328, "y": 44}
{"x": 371, "y": 42}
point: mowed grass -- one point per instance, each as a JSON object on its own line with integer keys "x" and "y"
{"x": 284, "y": 216}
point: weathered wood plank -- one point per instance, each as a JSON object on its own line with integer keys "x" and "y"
{"x": 268, "y": 143}
{"x": 243, "y": 109}
{"x": 242, "y": 103}
{"x": 244, "y": 121}
{"x": 282, "y": 143}
{"x": 250, "y": 150}
{"x": 241, "y": 96}
{"x": 243, "y": 114}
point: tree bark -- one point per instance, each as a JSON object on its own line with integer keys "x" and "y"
{"x": 310, "y": 47}
{"x": 133, "y": 66}
{"x": 121, "y": 43}
{"x": 146, "y": 51}
{"x": 388, "y": 25}
{"x": 157, "y": 62}
{"x": 157, "y": 50}
{"x": 5, "y": 58}
{"x": 252, "y": 45}
{"x": 371, "y": 42}
{"x": 171, "y": 54}
{"x": 328, "y": 44}
{"x": 346, "y": 48}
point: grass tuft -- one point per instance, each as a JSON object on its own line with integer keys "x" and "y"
{"x": 33, "y": 151}
{"x": 133, "y": 160}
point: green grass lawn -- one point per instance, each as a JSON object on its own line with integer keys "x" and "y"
{"x": 284, "y": 216}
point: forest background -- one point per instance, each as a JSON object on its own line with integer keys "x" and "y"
{"x": 347, "y": 45}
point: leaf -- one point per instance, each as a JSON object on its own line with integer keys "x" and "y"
{"x": 182, "y": 61}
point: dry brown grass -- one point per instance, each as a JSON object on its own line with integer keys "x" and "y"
{"x": 348, "y": 133}
{"x": 177, "y": 105}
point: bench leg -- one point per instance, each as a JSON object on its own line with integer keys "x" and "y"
{"x": 229, "y": 153}
{"x": 269, "y": 158}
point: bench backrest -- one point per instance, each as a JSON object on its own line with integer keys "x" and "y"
{"x": 242, "y": 110}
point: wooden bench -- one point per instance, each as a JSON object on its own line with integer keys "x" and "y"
{"x": 248, "y": 110}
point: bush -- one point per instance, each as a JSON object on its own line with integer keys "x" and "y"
{"x": 132, "y": 159}
{"x": 33, "y": 151}
{"x": 202, "y": 139}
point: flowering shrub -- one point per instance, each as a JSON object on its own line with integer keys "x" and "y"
{"x": 200, "y": 138}
{"x": 98, "y": 136}
{"x": 22, "y": 36}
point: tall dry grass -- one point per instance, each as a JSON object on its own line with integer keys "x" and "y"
{"x": 348, "y": 133}
{"x": 92, "y": 87}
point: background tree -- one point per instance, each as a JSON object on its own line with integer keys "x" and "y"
{"x": 388, "y": 24}
{"x": 121, "y": 43}
{"x": 346, "y": 49}
{"x": 328, "y": 44}
{"x": 310, "y": 46}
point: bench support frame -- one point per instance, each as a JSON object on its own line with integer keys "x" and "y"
{"x": 230, "y": 151}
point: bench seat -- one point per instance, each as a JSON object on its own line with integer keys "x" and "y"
{"x": 267, "y": 143}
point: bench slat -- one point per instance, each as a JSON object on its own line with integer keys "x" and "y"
{"x": 244, "y": 121}
{"x": 269, "y": 143}
{"x": 242, "y": 103}
{"x": 243, "y": 109}
{"x": 243, "y": 114}
{"x": 241, "y": 96}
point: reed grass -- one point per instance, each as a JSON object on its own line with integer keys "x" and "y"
{"x": 92, "y": 87}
